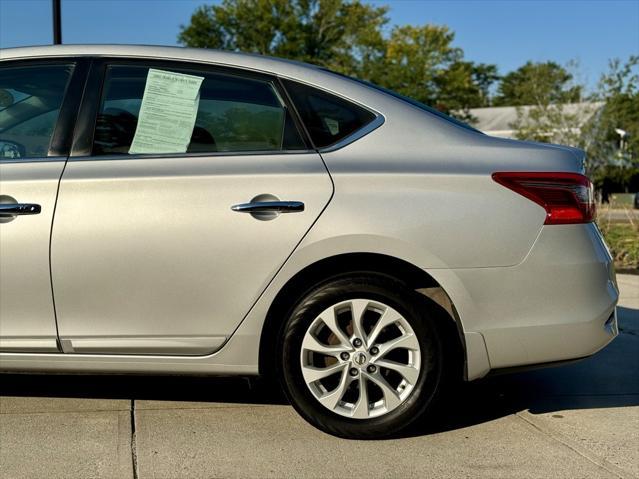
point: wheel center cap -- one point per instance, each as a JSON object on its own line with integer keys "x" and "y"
{"x": 360, "y": 359}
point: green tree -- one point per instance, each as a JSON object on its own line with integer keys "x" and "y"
{"x": 339, "y": 35}
{"x": 346, "y": 36}
{"x": 414, "y": 57}
{"x": 616, "y": 127}
{"x": 537, "y": 83}
{"x": 422, "y": 63}
{"x": 465, "y": 85}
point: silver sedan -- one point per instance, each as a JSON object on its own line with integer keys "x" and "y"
{"x": 179, "y": 211}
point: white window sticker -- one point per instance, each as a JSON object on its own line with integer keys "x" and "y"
{"x": 168, "y": 112}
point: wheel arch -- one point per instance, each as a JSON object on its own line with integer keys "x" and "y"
{"x": 342, "y": 264}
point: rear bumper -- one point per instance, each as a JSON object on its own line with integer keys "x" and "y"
{"x": 557, "y": 305}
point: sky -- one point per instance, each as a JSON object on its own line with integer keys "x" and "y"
{"x": 504, "y": 32}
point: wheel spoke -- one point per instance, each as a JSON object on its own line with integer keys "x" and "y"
{"x": 409, "y": 373}
{"x": 358, "y": 308}
{"x": 333, "y": 397}
{"x": 391, "y": 378}
{"x": 408, "y": 341}
{"x": 361, "y": 410}
{"x": 329, "y": 319}
{"x": 312, "y": 374}
{"x": 391, "y": 398}
{"x": 311, "y": 343}
{"x": 389, "y": 317}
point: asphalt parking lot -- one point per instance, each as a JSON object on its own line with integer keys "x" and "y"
{"x": 579, "y": 420}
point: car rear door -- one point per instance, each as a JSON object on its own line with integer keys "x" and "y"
{"x": 38, "y": 104}
{"x": 165, "y": 253}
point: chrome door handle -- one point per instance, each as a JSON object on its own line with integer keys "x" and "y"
{"x": 269, "y": 207}
{"x": 15, "y": 209}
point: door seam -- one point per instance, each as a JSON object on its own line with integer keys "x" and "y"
{"x": 55, "y": 207}
{"x": 57, "y": 197}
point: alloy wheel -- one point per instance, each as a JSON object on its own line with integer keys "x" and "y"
{"x": 360, "y": 358}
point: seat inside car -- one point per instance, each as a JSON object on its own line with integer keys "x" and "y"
{"x": 115, "y": 130}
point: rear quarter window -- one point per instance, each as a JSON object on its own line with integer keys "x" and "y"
{"x": 328, "y": 118}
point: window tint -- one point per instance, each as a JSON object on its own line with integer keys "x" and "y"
{"x": 234, "y": 114}
{"x": 30, "y": 101}
{"x": 328, "y": 118}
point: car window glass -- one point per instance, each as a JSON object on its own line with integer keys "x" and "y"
{"x": 234, "y": 114}
{"x": 327, "y": 118}
{"x": 30, "y": 101}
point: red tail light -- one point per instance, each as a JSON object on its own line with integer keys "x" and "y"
{"x": 567, "y": 197}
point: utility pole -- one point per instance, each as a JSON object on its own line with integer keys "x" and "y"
{"x": 57, "y": 25}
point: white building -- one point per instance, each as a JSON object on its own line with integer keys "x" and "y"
{"x": 499, "y": 120}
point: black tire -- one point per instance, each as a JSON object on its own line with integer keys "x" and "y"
{"x": 419, "y": 312}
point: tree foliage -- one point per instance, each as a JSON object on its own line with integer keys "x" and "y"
{"x": 347, "y": 36}
{"x": 331, "y": 33}
{"x": 619, "y": 91}
{"x": 422, "y": 63}
{"x": 465, "y": 84}
{"x": 537, "y": 83}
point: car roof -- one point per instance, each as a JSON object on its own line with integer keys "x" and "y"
{"x": 252, "y": 61}
{"x": 303, "y": 72}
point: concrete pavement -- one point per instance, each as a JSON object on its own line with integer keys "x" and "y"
{"x": 580, "y": 420}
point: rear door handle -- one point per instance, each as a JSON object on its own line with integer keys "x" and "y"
{"x": 16, "y": 209}
{"x": 269, "y": 207}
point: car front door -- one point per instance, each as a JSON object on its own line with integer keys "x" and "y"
{"x": 162, "y": 250}
{"x": 38, "y": 102}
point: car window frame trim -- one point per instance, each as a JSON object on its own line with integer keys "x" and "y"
{"x": 372, "y": 125}
{"x": 82, "y": 147}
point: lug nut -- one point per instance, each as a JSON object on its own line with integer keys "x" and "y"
{"x": 371, "y": 368}
{"x": 353, "y": 371}
{"x": 357, "y": 342}
{"x": 344, "y": 356}
{"x": 374, "y": 350}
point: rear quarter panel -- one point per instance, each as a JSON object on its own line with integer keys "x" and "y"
{"x": 421, "y": 189}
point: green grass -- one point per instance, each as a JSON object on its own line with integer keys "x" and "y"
{"x": 623, "y": 241}
{"x": 621, "y": 200}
